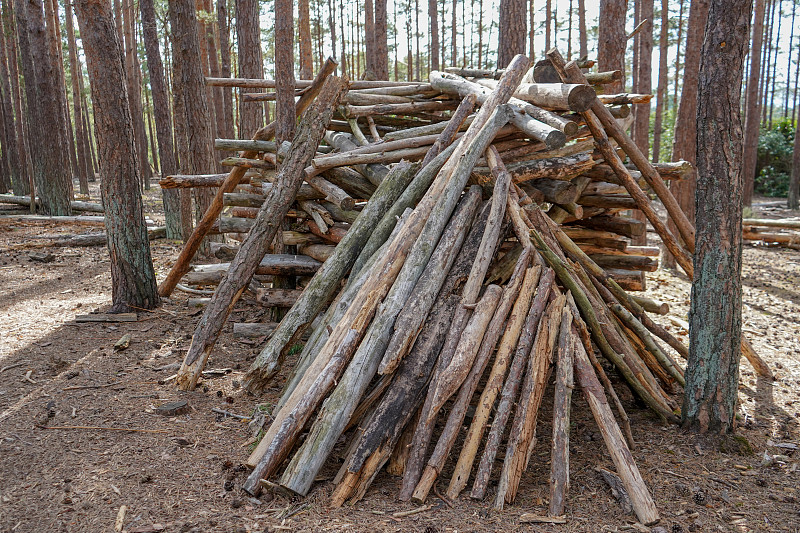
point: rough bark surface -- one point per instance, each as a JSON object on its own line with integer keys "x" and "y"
{"x": 251, "y": 117}
{"x": 715, "y": 317}
{"x": 611, "y": 40}
{"x": 132, "y": 276}
{"x": 513, "y": 30}
{"x": 752, "y": 105}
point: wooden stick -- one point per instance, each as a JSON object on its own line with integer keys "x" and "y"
{"x": 181, "y": 265}
{"x": 290, "y": 176}
{"x": 559, "y": 452}
{"x": 642, "y": 501}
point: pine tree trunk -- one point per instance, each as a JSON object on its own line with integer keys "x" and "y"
{"x": 678, "y": 56}
{"x": 248, "y": 33}
{"x": 84, "y": 163}
{"x": 662, "y": 80}
{"x": 712, "y": 373}
{"x": 794, "y": 184}
{"x": 134, "y": 91}
{"x": 225, "y": 67}
{"x": 215, "y": 93}
{"x": 582, "y": 36}
{"x": 433, "y": 44}
{"x": 644, "y": 54}
{"x": 611, "y": 43}
{"x": 285, "y": 115}
{"x": 684, "y": 142}
{"x": 751, "y": 105}
{"x": 548, "y": 24}
{"x": 199, "y": 157}
{"x": 25, "y": 183}
{"x": 10, "y": 143}
{"x": 381, "y": 60}
{"x": 132, "y": 275}
{"x": 306, "y": 61}
{"x": 166, "y": 150}
{"x": 50, "y": 163}
{"x": 513, "y": 30}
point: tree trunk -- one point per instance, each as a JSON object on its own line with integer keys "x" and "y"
{"x": 582, "y": 36}
{"x": 381, "y": 59}
{"x": 50, "y": 163}
{"x": 685, "y": 138}
{"x": 513, "y": 30}
{"x": 132, "y": 275}
{"x": 225, "y": 67}
{"x": 10, "y": 141}
{"x": 644, "y": 56}
{"x": 306, "y": 60}
{"x": 166, "y": 150}
{"x": 611, "y": 43}
{"x": 548, "y": 24}
{"x": 25, "y": 183}
{"x": 712, "y": 373}
{"x": 794, "y": 185}
{"x": 134, "y": 91}
{"x": 200, "y": 155}
{"x": 433, "y": 44}
{"x": 678, "y": 56}
{"x": 662, "y": 80}
{"x": 84, "y": 163}
{"x": 248, "y": 34}
{"x": 284, "y": 72}
{"x": 751, "y": 106}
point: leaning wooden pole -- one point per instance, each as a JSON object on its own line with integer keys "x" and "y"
{"x": 288, "y": 181}
{"x": 211, "y": 215}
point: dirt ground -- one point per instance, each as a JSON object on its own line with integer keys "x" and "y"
{"x": 182, "y": 473}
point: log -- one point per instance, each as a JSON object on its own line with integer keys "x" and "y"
{"x": 554, "y": 168}
{"x": 90, "y": 207}
{"x": 624, "y": 99}
{"x": 562, "y": 401}
{"x": 320, "y": 252}
{"x": 556, "y": 191}
{"x": 626, "y": 262}
{"x": 244, "y": 145}
{"x": 629, "y": 227}
{"x": 642, "y": 501}
{"x": 459, "y": 410}
{"x": 323, "y": 285}
{"x": 277, "y": 297}
{"x": 494, "y": 382}
{"x": 193, "y": 243}
{"x": 629, "y": 280}
{"x": 383, "y": 429}
{"x": 100, "y": 239}
{"x": 770, "y": 237}
{"x": 651, "y": 306}
{"x": 304, "y": 84}
{"x": 607, "y": 202}
{"x": 186, "y": 181}
{"x": 343, "y": 143}
{"x": 251, "y": 330}
{"x": 523, "y": 430}
{"x": 267, "y": 223}
{"x": 410, "y": 108}
{"x": 540, "y": 131}
{"x": 351, "y": 181}
{"x": 557, "y": 96}
{"x": 512, "y": 384}
{"x": 544, "y": 72}
{"x": 340, "y": 404}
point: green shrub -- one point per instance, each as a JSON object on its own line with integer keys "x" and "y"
{"x": 774, "y": 163}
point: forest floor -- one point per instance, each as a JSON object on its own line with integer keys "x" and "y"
{"x": 182, "y": 473}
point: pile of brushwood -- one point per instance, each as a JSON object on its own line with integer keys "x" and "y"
{"x": 447, "y": 259}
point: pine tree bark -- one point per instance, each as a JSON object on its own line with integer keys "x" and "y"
{"x": 225, "y": 67}
{"x": 132, "y": 275}
{"x": 684, "y": 142}
{"x": 10, "y": 142}
{"x": 285, "y": 115}
{"x": 794, "y": 184}
{"x": 84, "y": 163}
{"x": 214, "y": 69}
{"x": 513, "y": 30}
{"x": 644, "y": 55}
{"x": 433, "y": 45}
{"x": 196, "y": 116}
{"x": 752, "y": 105}
{"x": 248, "y": 33}
{"x": 306, "y": 61}
{"x": 582, "y": 36}
{"x": 25, "y": 183}
{"x": 166, "y": 149}
{"x": 611, "y": 43}
{"x": 50, "y": 163}
{"x": 381, "y": 62}
{"x": 134, "y": 90}
{"x": 712, "y": 373}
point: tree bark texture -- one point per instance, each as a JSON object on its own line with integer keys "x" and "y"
{"x": 612, "y": 40}
{"x": 25, "y": 183}
{"x": 11, "y": 157}
{"x": 513, "y": 30}
{"x": 248, "y": 33}
{"x": 304, "y": 23}
{"x": 715, "y": 317}
{"x": 284, "y": 71}
{"x": 381, "y": 63}
{"x": 161, "y": 112}
{"x": 50, "y": 164}
{"x": 132, "y": 275}
{"x": 644, "y": 55}
{"x": 663, "y": 78}
{"x": 225, "y": 67}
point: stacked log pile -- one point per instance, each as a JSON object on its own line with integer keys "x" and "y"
{"x": 784, "y": 233}
{"x": 455, "y": 261}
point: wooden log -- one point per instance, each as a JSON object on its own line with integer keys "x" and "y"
{"x": 629, "y": 227}
{"x": 407, "y": 391}
{"x": 351, "y": 182}
{"x": 560, "y": 96}
{"x": 244, "y": 145}
{"x": 245, "y": 264}
{"x": 428, "y": 129}
{"x": 544, "y": 72}
{"x": 771, "y": 237}
{"x": 459, "y": 410}
{"x": 303, "y": 84}
{"x": 555, "y": 168}
{"x": 340, "y": 404}
{"x": 343, "y": 143}
{"x": 642, "y": 501}
{"x": 268, "y": 163}
{"x": 100, "y": 239}
{"x": 181, "y": 265}
{"x": 550, "y": 136}
{"x": 409, "y": 108}
{"x": 251, "y": 330}
{"x": 626, "y": 262}
{"x": 523, "y": 430}
{"x": 416, "y": 308}
{"x": 320, "y": 252}
{"x": 630, "y": 280}
{"x": 562, "y": 401}
{"x": 651, "y": 306}
{"x": 607, "y": 202}
{"x": 494, "y": 382}
{"x": 624, "y": 99}
{"x": 90, "y": 207}
{"x": 277, "y": 297}
{"x": 510, "y": 390}
{"x": 556, "y": 191}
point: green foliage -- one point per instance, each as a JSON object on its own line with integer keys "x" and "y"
{"x": 774, "y": 163}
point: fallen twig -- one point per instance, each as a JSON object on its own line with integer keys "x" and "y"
{"x": 15, "y": 365}
{"x": 421, "y": 509}
{"x": 229, "y": 414}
